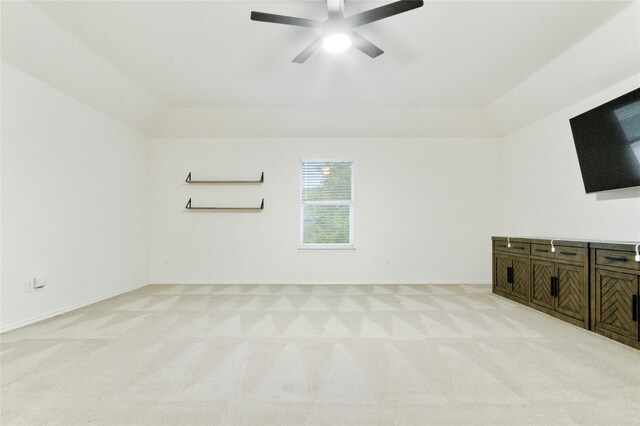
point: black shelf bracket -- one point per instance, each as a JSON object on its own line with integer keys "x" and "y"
{"x": 190, "y": 180}
{"x": 190, "y": 207}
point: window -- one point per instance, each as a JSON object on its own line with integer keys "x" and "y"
{"x": 326, "y": 204}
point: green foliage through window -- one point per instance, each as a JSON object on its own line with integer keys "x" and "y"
{"x": 327, "y": 202}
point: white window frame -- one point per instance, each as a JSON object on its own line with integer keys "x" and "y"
{"x": 345, "y": 246}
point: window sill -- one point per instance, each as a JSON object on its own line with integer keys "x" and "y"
{"x": 326, "y": 247}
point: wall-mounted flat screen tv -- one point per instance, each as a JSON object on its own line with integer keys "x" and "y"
{"x": 607, "y": 140}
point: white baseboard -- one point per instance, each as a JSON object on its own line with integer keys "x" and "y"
{"x": 67, "y": 309}
{"x": 215, "y": 282}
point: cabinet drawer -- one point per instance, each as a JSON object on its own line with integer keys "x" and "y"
{"x": 516, "y": 248}
{"x": 570, "y": 253}
{"x": 541, "y": 250}
{"x": 617, "y": 259}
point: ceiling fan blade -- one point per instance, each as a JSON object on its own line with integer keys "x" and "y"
{"x": 365, "y": 45}
{"x": 382, "y": 12}
{"x": 308, "y": 51}
{"x": 286, "y": 20}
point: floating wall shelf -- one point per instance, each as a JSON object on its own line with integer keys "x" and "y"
{"x": 190, "y": 207}
{"x": 189, "y": 180}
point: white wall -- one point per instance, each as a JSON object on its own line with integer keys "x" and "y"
{"x": 73, "y": 201}
{"x": 542, "y": 193}
{"x": 426, "y": 205}
{"x": 312, "y": 122}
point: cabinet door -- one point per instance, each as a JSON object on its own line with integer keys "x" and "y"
{"x": 571, "y": 289}
{"x": 541, "y": 283}
{"x": 613, "y": 303}
{"x": 521, "y": 277}
{"x": 502, "y": 264}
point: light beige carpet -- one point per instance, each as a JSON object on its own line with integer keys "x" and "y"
{"x": 317, "y": 354}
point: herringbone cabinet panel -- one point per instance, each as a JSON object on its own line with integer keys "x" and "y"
{"x": 521, "y": 277}
{"x": 502, "y": 263}
{"x": 571, "y": 286}
{"x": 614, "y": 311}
{"x": 541, "y": 285}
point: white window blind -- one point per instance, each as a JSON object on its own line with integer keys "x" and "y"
{"x": 327, "y": 204}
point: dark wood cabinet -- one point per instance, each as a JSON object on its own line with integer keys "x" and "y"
{"x": 572, "y": 292}
{"x": 520, "y": 278}
{"x": 594, "y": 285}
{"x": 511, "y": 276}
{"x": 542, "y": 283}
{"x": 615, "y": 289}
{"x": 560, "y": 287}
{"x": 552, "y": 278}
{"x": 502, "y": 273}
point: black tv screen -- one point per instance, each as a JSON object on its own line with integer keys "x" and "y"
{"x": 607, "y": 140}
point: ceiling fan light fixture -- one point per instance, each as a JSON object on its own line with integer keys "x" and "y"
{"x": 336, "y": 43}
{"x": 337, "y": 31}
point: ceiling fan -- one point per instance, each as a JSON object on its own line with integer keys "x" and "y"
{"x": 337, "y": 31}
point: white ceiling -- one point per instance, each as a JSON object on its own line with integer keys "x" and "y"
{"x": 445, "y": 54}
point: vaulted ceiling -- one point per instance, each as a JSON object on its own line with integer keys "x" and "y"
{"x": 444, "y": 54}
{"x": 208, "y": 54}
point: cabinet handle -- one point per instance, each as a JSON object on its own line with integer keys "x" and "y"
{"x": 542, "y": 251}
{"x": 616, "y": 259}
{"x": 555, "y": 286}
{"x": 552, "y": 281}
{"x": 634, "y": 308}
{"x": 566, "y": 253}
{"x": 518, "y": 248}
